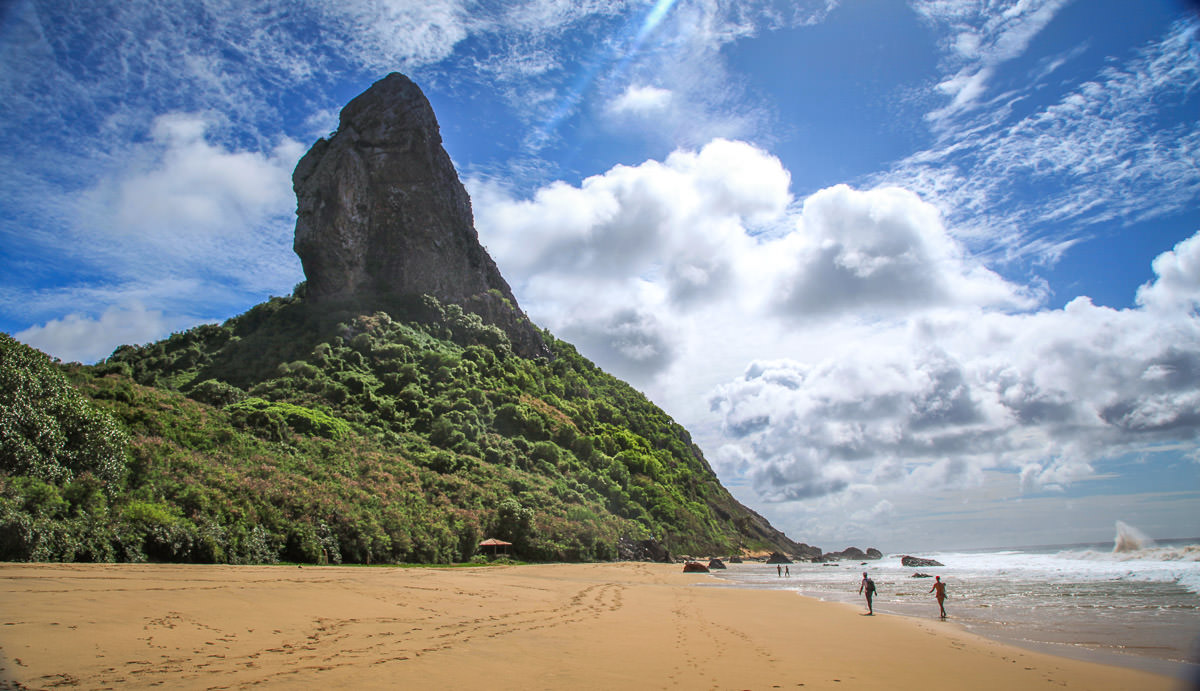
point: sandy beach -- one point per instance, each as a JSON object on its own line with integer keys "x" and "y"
{"x": 599, "y": 626}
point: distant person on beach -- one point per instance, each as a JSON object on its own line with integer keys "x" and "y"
{"x": 779, "y": 570}
{"x": 940, "y": 589}
{"x": 787, "y": 572}
{"x": 868, "y": 586}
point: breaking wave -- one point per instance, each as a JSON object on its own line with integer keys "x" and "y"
{"x": 1130, "y": 539}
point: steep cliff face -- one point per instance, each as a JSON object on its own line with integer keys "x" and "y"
{"x": 381, "y": 212}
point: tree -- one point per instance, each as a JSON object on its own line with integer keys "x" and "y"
{"x": 514, "y": 521}
{"x": 48, "y": 430}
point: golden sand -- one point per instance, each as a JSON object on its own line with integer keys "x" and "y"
{"x": 586, "y": 626}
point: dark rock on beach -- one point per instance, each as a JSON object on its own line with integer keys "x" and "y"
{"x": 778, "y": 558}
{"x": 716, "y": 564}
{"x": 694, "y": 567}
{"x": 642, "y": 550}
{"x": 918, "y": 561}
{"x": 851, "y": 554}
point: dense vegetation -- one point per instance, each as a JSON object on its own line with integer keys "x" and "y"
{"x": 324, "y": 433}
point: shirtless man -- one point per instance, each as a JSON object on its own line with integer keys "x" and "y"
{"x": 940, "y": 589}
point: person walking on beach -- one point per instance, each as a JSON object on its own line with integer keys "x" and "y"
{"x": 868, "y": 586}
{"x": 940, "y": 589}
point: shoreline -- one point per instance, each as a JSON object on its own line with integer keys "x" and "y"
{"x": 1176, "y": 669}
{"x": 608, "y": 625}
{"x": 1167, "y": 646}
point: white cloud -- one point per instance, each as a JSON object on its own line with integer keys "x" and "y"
{"x": 980, "y": 36}
{"x": 877, "y": 252}
{"x": 884, "y": 359}
{"x": 398, "y": 32}
{"x": 183, "y": 206}
{"x": 635, "y": 222}
{"x": 636, "y": 264}
{"x": 183, "y": 224}
{"x": 641, "y": 101}
{"x": 877, "y": 513}
{"x": 612, "y": 263}
{"x": 78, "y": 337}
{"x": 965, "y": 88}
{"x": 951, "y": 395}
{"x": 1054, "y": 476}
{"x": 1177, "y": 283}
{"x": 189, "y": 186}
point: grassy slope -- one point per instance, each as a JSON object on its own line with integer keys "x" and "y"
{"x": 312, "y": 433}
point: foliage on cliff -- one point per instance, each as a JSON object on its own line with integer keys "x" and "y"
{"x": 312, "y": 433}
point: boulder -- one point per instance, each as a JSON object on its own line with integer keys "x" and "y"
{"x": 778, "y": 558}
{"x": 918, "y": 561}
{"x": 694, "y": 567}
{"x": 853, "y": 553}
{"x": 715, "y": 563}
{"x": 642, "y": 550}
{"x": 918, "y": 574}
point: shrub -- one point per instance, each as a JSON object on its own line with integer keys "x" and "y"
{"x": 216, "y": 393}
{"x": 164, "y": 533}
{"x": 268, "y": 416}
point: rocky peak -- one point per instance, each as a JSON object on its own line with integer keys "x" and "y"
{"x": 381, "y": 212}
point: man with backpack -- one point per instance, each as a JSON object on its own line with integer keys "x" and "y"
{"x": 868, "y": 586}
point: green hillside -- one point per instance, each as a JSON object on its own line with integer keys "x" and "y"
{"x": 323, "y": 433}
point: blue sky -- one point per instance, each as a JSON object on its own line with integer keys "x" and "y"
{"x": 915, "y": 274}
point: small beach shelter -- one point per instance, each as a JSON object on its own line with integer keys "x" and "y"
{"x": 497, "y": 547}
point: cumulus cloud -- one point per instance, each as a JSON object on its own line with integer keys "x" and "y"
{"x": 615, "y": 261}
{"x": 880, "y": 251}
{"x": 1177, "y": 286}
{"x": 708, "y": 244}
{"x": 182, "y": 220}
{"x": 189, "y": 186}
{"x": 939, "y": 401}
{"x": 78, "y": 337}
{"x": 184, "y": 206}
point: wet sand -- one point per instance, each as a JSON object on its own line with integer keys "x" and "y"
{"x": 587, "y": 626}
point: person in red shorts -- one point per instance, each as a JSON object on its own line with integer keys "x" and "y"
{"x": 940, "y": 589}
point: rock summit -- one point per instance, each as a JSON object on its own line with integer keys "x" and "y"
{"x": 381, "y": 213}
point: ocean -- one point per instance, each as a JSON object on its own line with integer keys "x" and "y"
{"x": 1130, "y": 602}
